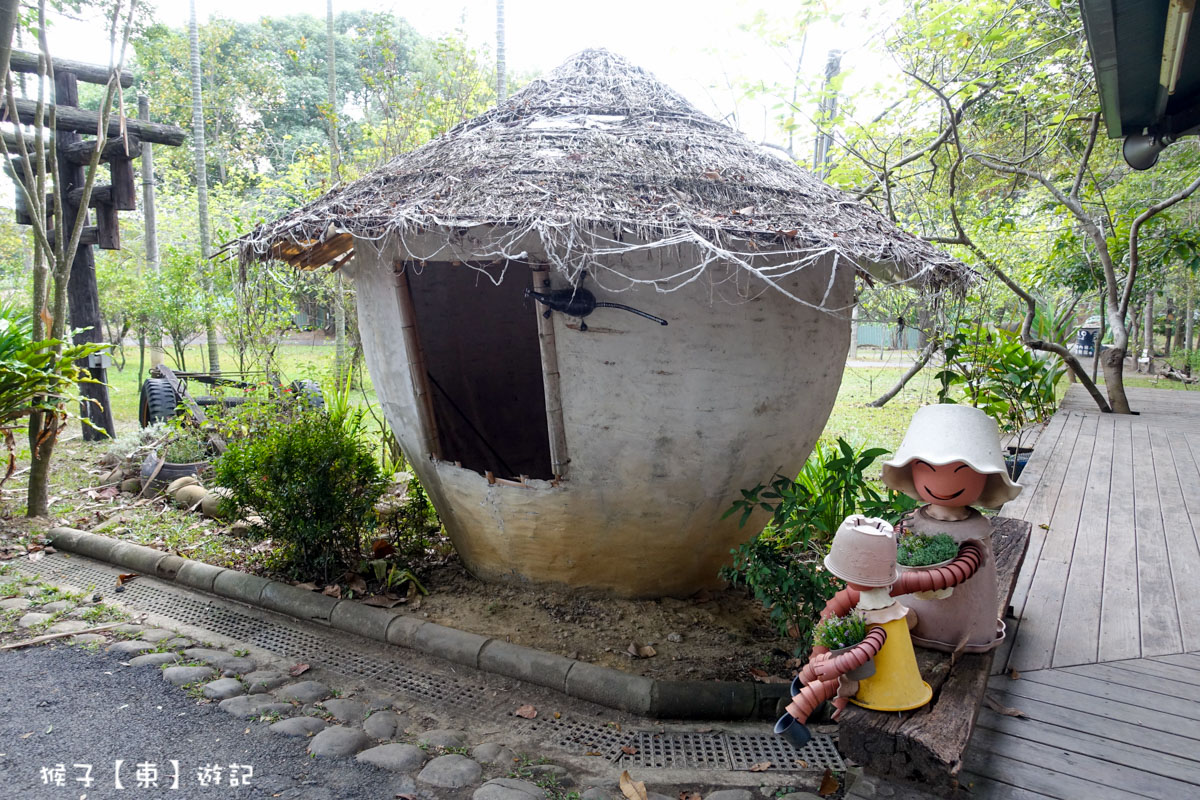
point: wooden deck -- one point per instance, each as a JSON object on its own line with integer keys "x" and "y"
{"x": 1107, "y": 628}
{"x": 1103, "y": 656}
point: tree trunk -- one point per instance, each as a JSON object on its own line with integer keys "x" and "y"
{"x": 1148, "y": 334}
{"x": 1170, "y": 328}
{"x": 210, "y": 328}
{"x": 1100, "y": 334}
{"x": 38, "y": 496}
{"x": 826, "y": 111}
{"x": 501, "y": 65}
{"x": 852, "y": 353}
{"x": 918, "y": 365}
{"x": 1189, "y": 323}
{"x": 150, "y": 224}
{"x": 339, "y": 294}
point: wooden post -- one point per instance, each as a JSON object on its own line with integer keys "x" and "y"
{"x": 551, "y": 381}
{"x": 416, "y": 365}
{"x": 83, "y": 297}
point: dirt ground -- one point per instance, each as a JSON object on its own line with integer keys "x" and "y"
{"x": 721, "y": 635}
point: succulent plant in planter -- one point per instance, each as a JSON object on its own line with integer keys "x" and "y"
{"x": 838, "y": 633}
{"x": 922, "y": 550}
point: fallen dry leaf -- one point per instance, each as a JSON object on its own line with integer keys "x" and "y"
{"x": 762, "y": 677}
{"x": 298, "y": 670}
{"x": 37, "y": 555}
{"x": 633, "y": 790}
{"x": 829, "y": 784}
{"x": 803, "y": 764}
{"x": 686, "y": 795}
{"x": 629, "y": 750}
{"x": 332, "y": 590}
{"x": 526, "y": 712}
{"x": 761, "y": 766}
{"x": 27, "y": 735}
{"x": 558, "y": 715}
{"x": 266, "y": 545}
{"x": 355, "y": 583}
{"x": 382, "y": 548}
{"x": 995, "y": 705}
{"x": 641, "y": 650}
{"x": 308, "y": 587}
{"x": 593, "y": 753}
{"x": 1014, "y": 675}
{"x": 406, "y": 797}
{"x": 384, "y": 601}
{"x": 126, "y": 577}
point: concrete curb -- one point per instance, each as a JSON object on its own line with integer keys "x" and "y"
{"x": 660, "y": 699}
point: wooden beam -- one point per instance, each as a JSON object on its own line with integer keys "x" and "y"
{"x": 321, "y": 254}
{"x": 27, "y": 62}
{"x": 78, "y": 120}
{"x": 108, "y": 227}
{"x": 124, "y": 188}
{"x": 89, "y": 236}
{"x": 101, "y": 195}
{"x": 81, "y": 152}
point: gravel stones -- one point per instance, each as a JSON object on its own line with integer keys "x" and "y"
{"x": 450, "y": 772}
{"x": 221, "y": 660}
{"x": 596, "y": 793}
{"x": 15, "y": 603}
{"x": 57, "y": 606}
{"x": 153, "y": 659}
{"x": 298, "y": 726}
{"x": 396, "y": 757}
{"x": 440, "y": 737}
{"x": 223, "y": 689}
{"x": 385, "y": 725}
{"x": 511, "y": 789}
{"x": 560, "y": 774}
{"x": 89, "y": 638}
{"x": 253, "y": 705}
{"x": 339, "y": 741}
{"x": 156, "y": 635}
{"x": 493, "y": 753}
{"x": 131, "y": 646}
{"x": 348, "y": 711}
{"x": 33, "y": 618}
{"x": 182, "y": 676}
{"x": 304, "y": 692}
{"x": 68, "y": 626}
{"x": 264, "y": 680}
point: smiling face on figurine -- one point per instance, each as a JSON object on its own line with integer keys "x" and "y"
{"x": 952, "y": 485}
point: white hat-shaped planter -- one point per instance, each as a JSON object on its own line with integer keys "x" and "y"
{"x": 941, "y": 434}
{"x": 863, "y": 552}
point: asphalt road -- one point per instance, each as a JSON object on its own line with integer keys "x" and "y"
{"x": 62, "y": 705}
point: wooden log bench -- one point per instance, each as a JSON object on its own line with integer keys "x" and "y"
{"x": 926, "y": 746}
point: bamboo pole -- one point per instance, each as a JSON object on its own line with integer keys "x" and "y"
{"x": 552, "y": 382}
{"x": 416, "y": 365}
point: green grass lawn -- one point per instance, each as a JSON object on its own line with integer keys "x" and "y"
{"x": 856, "y": 422}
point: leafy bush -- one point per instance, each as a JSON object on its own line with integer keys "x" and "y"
{"x": 1001, "y": 376}
{"x": 920, "y": 550}
{"x": 838, "y": 632}
{"x": 782, "y": 565}
{"x": 315, "y": 484}
{"x": 186, "y": 446}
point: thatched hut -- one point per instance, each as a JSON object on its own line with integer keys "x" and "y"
{"x": 599, "y": 450}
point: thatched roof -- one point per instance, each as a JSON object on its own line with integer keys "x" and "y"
{"x": 601, "y": 158}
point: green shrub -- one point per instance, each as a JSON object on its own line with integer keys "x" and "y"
{"x": 315, "y": 484}
{"x": 186, "y": 446}
{"x": 838, "y": 632}
{"x": 783, "y": 566}
{"x": 920, "y": 550}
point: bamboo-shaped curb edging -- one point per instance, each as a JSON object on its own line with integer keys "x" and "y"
{"x": 649, "y": 697}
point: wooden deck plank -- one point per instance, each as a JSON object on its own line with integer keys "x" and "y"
{"x": 1040, "y": 782}
{"x": 1190, "y": 660}
{"x": 1144, "y": 718}
{"x": 1144, "y": 666}
{"x": 1129, "y": 754}
{"x": 1040, "y": 616}
{"x": 1119, "y": 691}
{"x": 1129, "y": 780}
{"x": 1042, "y": 501}
{"x": 1120, "y": 613}
{"x": 987, "y": 789}
{"x": 1183, "y": 554}
{"x": 1149, "y": 683}
{"x": 1077, "y": 640}
{"x": 1035, "y": 469}
{"x": 1156, "y": 590}
{"x": 1058, "y": 773}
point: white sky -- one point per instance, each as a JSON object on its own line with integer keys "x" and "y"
{"x": 695, "y": 47}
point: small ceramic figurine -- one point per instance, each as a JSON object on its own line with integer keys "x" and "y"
{"x": 950, "y": 458}
{"x": 863, "y": 554}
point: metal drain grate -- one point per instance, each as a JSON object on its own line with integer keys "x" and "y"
{"x": 678, "y": 750}
{"x": 282, "y": 640}
{"x": 704, "y": 751}
{"x": 746, "y": 750}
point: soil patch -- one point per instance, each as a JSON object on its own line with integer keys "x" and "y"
{"x": 717, "y": 635}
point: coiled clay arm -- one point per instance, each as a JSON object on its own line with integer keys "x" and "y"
{"x": 838, "y": 606}
{"x": 970, "y": 558}
{"x": 833, "y": 667}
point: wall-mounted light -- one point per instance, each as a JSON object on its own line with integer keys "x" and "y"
{"x": 1179, "y": 20}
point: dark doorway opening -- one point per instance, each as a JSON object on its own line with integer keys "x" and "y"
{"x": 484, "y": 367}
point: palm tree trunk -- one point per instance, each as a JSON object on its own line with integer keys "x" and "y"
{"x": 210, "y": 328}
{"x": 339, "y": 294}
{"x": 501, "y": 65}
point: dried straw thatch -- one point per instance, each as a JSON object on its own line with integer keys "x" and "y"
{"x": 596, "y": 161}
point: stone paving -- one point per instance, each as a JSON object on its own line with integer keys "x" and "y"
{"x": 378, "y": 731}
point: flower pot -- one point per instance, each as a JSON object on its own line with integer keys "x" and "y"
{"x": 857, "y": 674}
{"x": 169, "y": 471}
{"x": 1015, "y": 460}
{"x": 936, "y": 594}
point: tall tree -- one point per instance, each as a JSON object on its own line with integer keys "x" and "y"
{"x": 501, "y": 65}
{"x": 214, "y": 355}
{"x": 339, "y": 294}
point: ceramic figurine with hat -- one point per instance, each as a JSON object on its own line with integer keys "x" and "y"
{"x": 863, "y": 554}
{"x": 951, "y": 459}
